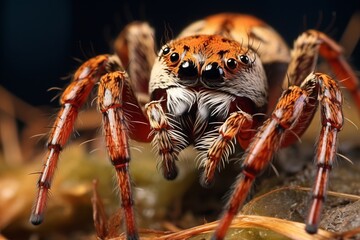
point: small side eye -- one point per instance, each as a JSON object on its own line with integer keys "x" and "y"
{"x": 166, "y": 50}
{"x": 174, "y": 57}
{"x": 231, "y": 63}
{"x": 244, "y": 59}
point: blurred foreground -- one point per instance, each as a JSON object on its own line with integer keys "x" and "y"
{"x": 172, "y": 210}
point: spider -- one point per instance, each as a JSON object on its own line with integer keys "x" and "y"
{"x": 218, "y": 85}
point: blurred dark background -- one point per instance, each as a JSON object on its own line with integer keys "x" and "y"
{"x": 40, "y": 39}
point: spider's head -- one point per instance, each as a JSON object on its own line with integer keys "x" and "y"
{"x": 210, "y": 62}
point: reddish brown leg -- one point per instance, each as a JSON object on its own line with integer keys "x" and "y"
{"x": 99, "y": 214}
{"x": 236, "y": 125}
{"x": 71, "y": 100}
{"x": 135, "y": 46}
{"x": 304, "y": 59}
{"x": 332, "y": 53}
{"x": 116, "y": 134}
{"x": 261, "y": 149}
{"x": 332, "y": 122}
{"x": 287, "y": 116}
{"x": 139, "y": 56}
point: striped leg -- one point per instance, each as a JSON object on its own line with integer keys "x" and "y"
{"x": 71, "y": 100}
{"x": 289, "y": 112}
{"x": 115, "y": 126}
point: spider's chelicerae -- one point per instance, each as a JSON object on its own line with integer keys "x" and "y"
{"x": 218, "y": 84}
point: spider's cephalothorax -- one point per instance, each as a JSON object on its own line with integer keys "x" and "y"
{"x": 212, "y": 87}
{"x": 199, "y": 81}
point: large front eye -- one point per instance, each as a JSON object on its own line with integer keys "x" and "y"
{"x": 188, "y": 70}
{"x": 213, "y": 73}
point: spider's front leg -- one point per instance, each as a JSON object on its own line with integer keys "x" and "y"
{"x": 291, "y": 113}
{"x": 116, "y": 134}
{"x": 332, "y": 120}
{"x": 136, "y": 48}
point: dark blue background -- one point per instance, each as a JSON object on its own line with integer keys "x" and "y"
{"x": 39, "y": 39}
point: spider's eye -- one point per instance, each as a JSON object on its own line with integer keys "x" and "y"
{"x": 174, "y": 57}
{"x": 212, "y": 72}
{"x": 187, "y": 69}
{"x": 244, "y": 59}
{"x": 166, "y": 50}
{"x": 231, "y": 63}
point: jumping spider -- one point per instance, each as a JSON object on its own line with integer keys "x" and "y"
{"x": 211, "y": 87}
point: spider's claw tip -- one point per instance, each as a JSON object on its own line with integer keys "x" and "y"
{"x": 206, "y": 182}
{"x": 36, "y": 219}
{"x": 215, "y": 237}
{"x": 133, "y": 236}
{"x": 311, "y": 228}
{"x": 171, "y": 175}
